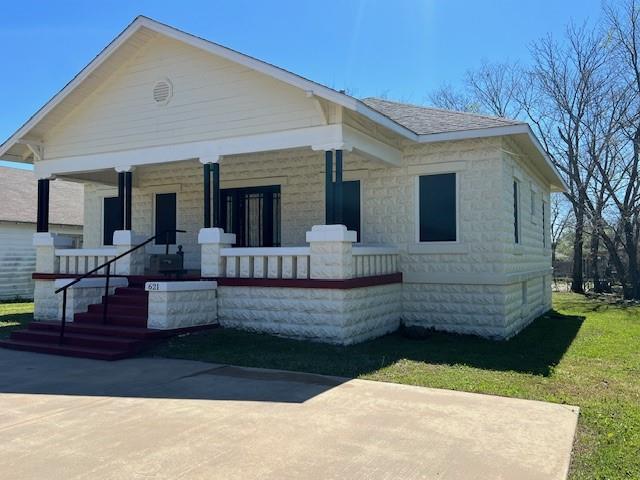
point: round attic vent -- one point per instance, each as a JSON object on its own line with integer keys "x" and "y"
{"x": 162, "y": 91}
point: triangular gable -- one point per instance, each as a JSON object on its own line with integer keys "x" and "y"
{"x": 125, "y": 45}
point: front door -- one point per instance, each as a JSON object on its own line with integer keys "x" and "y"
{"x": 110, "y": 219}
{"x": 253, "y": 214}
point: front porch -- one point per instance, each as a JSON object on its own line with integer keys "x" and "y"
{"x": 243, "y": 253}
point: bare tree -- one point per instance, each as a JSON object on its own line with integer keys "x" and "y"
{"x": 450, "y": 99}
{"x": 496, "y": 88}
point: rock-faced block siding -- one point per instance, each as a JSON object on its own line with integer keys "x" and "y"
{"x": 181, "y": 309}
{"x": 334, "y": 316}
{"x": 473, "y": 274}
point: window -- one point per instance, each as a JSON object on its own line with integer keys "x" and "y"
{"x": 165, "y": 217}
{"x": 533, "y": 204}
{"x": 437, "y": 208}
{"x": 110, "y": 219}
{"x": 516, "y": 211}
{"x": 544, "y": 230}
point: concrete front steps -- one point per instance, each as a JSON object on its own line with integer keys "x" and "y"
{"x": 122, "y": 334}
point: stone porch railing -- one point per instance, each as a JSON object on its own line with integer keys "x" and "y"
{"x": 330, "y": 255}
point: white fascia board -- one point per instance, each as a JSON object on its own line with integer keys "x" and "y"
{"x": 522, "y": 128}
{"x": 303, "y": 137}
{"x": 371, "y": 147}
{"x": 476, "y": 133}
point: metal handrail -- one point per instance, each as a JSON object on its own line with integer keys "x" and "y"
{"x": 106, "y": 265}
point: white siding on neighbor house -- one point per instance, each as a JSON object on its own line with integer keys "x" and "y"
{"x": 212, "y": 98}
{"x": 18, "y": 257}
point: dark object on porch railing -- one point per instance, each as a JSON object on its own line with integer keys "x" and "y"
{"x": 168, "y": 263}
{"x": 107, "y": 267}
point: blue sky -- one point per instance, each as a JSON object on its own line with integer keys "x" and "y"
{"x": 399, "y": 48}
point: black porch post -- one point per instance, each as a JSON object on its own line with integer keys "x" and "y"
{"x": 328, "y": 187}
{"x": 128, "y": 177}
{"x": 42, "y": 224}
{"x": 338, "y": 193}
{"x": 207, "y": 194}
{"x": 120, "y": 201}
{"x": 215, "y": 193}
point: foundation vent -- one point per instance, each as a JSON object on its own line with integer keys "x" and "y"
{"x": 162, "y": 91}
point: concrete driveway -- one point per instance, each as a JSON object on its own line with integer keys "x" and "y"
{"x": 151, "y": 418}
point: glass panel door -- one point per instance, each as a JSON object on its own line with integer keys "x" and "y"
{"x": 253, "y": 214}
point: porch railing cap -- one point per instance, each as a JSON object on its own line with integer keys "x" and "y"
{"x": 331, "y": 233}
{"x": 215, "y": 235}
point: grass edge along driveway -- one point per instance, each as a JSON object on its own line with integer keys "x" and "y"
{"x": 586, "y": 353}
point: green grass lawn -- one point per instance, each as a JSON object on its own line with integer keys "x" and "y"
{"x": 14, "y": 315}
{"x": 586, "y": 353}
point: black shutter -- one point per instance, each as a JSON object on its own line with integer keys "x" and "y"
{"x": 516, "y": 220}
{"x": 166, "y": 217}
{"x": 438, "y": 208}
{"x": 111, "y": 219}
{"x": 351, "y": 205}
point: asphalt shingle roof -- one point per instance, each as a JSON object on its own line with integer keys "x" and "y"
{"x": 428, "y": 120}
{"x": 19, "y": 198}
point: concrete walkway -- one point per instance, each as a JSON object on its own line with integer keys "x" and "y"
{"x": 150, "y": 418}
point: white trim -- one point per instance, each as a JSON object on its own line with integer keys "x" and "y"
{"x": 436, "y": 168}
{"x": 179, "y": 286}
{"x": 297, "y": 138}
{"x": 370, "y": 147}
{"x": 86, "y": 252}
{"x": 416, "y": 209}
{"x": 265, "y": 252}
{"x": 253, "y": 182}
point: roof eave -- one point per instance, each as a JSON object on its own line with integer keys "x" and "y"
{"x": 557, "y": 182}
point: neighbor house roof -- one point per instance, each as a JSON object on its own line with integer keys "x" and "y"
{"x": 427, "y": 120}
{"x": 19, "y": 193}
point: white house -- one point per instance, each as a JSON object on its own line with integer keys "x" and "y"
{"x": 446, "y": 213}
{"x": 18, "y": 224}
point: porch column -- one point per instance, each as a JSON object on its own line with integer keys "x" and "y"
{"x": 212, "y": 198}
{"x": 42, "y": 221}
{"x": 333, "y": 188}
{"x": 337, "y": 202}
{"x": 125, "y": 187}
{"x": 328, "y": 187}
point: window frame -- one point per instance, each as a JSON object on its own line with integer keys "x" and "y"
{"x": 516, "y": 201}
{"x": 427, "y": 173}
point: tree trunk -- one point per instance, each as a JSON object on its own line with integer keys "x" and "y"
{"x": 594, "y": 246}
{"x": 632, "y": 290}
{"x": 577, "y": 284}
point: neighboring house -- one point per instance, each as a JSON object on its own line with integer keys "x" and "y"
{"x": 18, "y": 198}
{"x": 448, "y": 212}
